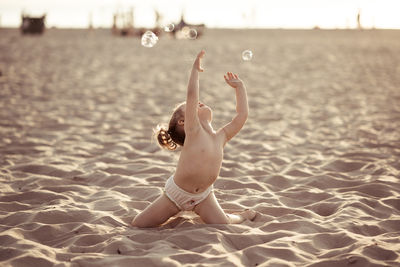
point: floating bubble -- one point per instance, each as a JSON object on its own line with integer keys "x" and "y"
{"x": 247, "y": 55}
{"x": 192, "y": 34}
{"x": 169, "y": 28}
{"x": 149, "y": 39}
{"x": 185, "y": 31}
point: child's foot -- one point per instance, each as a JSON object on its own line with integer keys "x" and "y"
{"x": 248, "y": 214}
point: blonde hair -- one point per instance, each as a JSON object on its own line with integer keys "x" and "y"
{"x": 173, "y": 136}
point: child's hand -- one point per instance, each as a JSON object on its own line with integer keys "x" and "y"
{"x": 197, "y": 62}
{"x": 233, "y": 80}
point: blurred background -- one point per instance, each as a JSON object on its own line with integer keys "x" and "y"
{"x": 219, "y": 14}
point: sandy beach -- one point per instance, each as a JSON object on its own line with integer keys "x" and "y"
{"x": 318, "y": 159}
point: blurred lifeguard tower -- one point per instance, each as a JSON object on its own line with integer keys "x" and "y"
{"x": 32, "y": 25}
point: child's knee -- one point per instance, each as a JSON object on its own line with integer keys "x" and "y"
{"x": 134, "y": 222}
{"x": 143, "y": 222}
{"x": 139, "y": 222}
{"x": 216, "y": 220}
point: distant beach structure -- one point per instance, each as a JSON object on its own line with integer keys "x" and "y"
{"x": 124, "y": 25}
{"x": 181, "y": 29}
{"x": 359, "y": 20}
{"x": 32, "y": 25}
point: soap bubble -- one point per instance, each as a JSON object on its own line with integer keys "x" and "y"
{"x": 192, "y": 34}
{"x": 149, "y": 39}
{"x": 169, "y": 28}
{"x": 189, "y": 33}
{"x": 247, "y": 55}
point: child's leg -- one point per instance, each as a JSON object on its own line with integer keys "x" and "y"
{"x": 211, "y": 212}
{"x": 156, "y": 213}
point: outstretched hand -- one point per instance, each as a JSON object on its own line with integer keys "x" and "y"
{"x": 233, "y": 80}
{"x": 197, "y": 62}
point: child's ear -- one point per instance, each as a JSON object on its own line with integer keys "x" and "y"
{"x": 181, "y": 122}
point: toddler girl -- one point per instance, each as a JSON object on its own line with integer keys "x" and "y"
{"x": 191, "y": 187}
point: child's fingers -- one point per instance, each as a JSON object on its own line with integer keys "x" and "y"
{"x": 230, "y": 77}
{"x": 201, "y": 54}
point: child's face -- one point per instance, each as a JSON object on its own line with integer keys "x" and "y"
{"x": 204, "y": 112}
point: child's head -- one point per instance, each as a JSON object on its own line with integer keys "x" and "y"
{"x": 204, "y": 112}
{"x": 175, "y": 134}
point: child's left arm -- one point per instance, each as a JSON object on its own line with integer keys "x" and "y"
{"x": 242, "y": 107}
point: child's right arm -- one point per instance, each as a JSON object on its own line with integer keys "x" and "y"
{"x": 192, "y": 123}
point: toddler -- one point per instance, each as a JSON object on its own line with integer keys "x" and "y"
{"x": 191, "y": 187}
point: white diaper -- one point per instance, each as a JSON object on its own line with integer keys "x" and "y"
{"x": 183, "y": 199}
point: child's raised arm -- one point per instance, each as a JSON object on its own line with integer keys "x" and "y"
{"x": 192, "y": 123}
{"x": 242, "y": 107}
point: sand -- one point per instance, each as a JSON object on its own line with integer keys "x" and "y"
{"x": 318, "y": 158}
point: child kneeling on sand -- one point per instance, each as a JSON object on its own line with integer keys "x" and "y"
{"x": 191, "y": 187}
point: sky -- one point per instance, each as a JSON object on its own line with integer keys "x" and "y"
{"x": 213, "y": 13}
